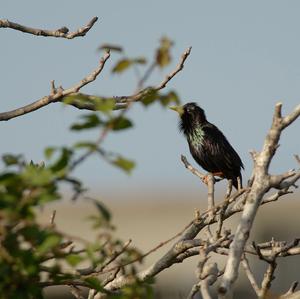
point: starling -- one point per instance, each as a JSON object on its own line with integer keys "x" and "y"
{"x": 208, "y": 146}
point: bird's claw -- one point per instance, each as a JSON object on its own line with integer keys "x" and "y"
{"x": 205, "y": 180}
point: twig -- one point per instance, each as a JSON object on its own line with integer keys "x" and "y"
{"x": 178, "y": 254}
{"x": 203, "y": 177}
{"x": 179, "y": 67}
{"x": 291, "y": 290}
{"x": 268, "y": 277}
{"x": 120, "y": 103}
{"x": 195, "y": 289}
{"x": 161, "y": 244}
{"x": 221, "y": 215}
{"x": 250, "y": 275}
{"x": 123, "y": 102}
{"x": 193, "y": 170}
{"x": 139, "y": 95}
{"x": 76, "y": 292}
{"x": 62, "y": 32}
{"x": 52, "y": 218}
{"x": 90, "y": 271}
{"x": 92, "y": 294}
{"x": 146, "y": 75}
{"x": 57, "y": 94}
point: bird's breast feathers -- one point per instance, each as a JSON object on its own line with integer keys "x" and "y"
{"x": 196, "y": 137}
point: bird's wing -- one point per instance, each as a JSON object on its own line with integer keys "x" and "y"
{"x": 221, "y": 153}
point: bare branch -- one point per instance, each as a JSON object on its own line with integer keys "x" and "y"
{"x": 52, "y": 219}
{"x": 62, "y": 32}
{"x": 146, "y": 75}
{"x": 193, "y": 170}
{"x": 295, "y": 295}
{"x": 245, "y": 264}
{"x": 203, "y": 177}
{"x": 211, "y": 195}
{"x": 261, "y": 184}
{"x": 291, "y": 291}
{"x": 114, "y": 256}
{"x": 56, "y": 94}
{"x": 139, "y": 95}
{"x": 268, "y": 277}
{"x": 179, "y": 67}
{"x": 76, "y": 292}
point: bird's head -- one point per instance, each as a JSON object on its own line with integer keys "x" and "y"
{"x": 190, "y": 113}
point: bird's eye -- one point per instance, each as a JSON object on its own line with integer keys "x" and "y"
{"x": 190, "y": 109}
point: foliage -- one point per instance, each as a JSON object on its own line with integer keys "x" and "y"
{"x": 34, "y": 255}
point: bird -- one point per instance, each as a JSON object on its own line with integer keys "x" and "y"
{"x": 208, "y": 145}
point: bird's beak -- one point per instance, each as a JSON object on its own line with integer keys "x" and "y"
{"x": 178, "y": 109}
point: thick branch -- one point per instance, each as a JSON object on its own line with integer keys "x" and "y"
{"x": 261, "y": 184}
{"x": 62, "y": 32}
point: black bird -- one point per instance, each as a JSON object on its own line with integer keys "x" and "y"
{"x": 208, "y": 146}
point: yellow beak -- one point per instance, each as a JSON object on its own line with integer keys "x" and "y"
{"x": 178, "y": 109}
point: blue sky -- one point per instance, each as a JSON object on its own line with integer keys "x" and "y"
{"x": 245, "y": 58}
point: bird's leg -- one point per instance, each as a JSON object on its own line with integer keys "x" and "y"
{"x": 229, "y": 188}
{"x": 239, "y": 183}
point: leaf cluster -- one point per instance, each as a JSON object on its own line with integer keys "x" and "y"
{"x": 35, "y": 255}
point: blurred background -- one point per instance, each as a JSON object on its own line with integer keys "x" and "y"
{"x": 245, "y": 58}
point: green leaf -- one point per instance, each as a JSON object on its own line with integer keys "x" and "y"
{"x": 63, "y": 160}
{"x": 86, "y": 144}
{"x": 121, "y": 123}
{"x": 10, "y": 159}
{"x": 104, "y": 104}
{"x": 91, "y": 102}
{"x": 50, "y": 242}
{"x": 163, "y": 56}
{"x": 139, "y": 60}
{"x": 122, "y": 65}
{"x": 104, "y": 212}
{"x": 37, "y": 176}
{"x": 149, "y": 97}
{"x": 124, "y": 164}
{"x": 169, "y": 98}
{"x": 90, "y": 121}
{"x": 94, "y": 283}
{"x": 49, "y": 151}
{"x": 125, "y": 63}
{"x": 111, "y": 47}
{"x": 74, "y": 259}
